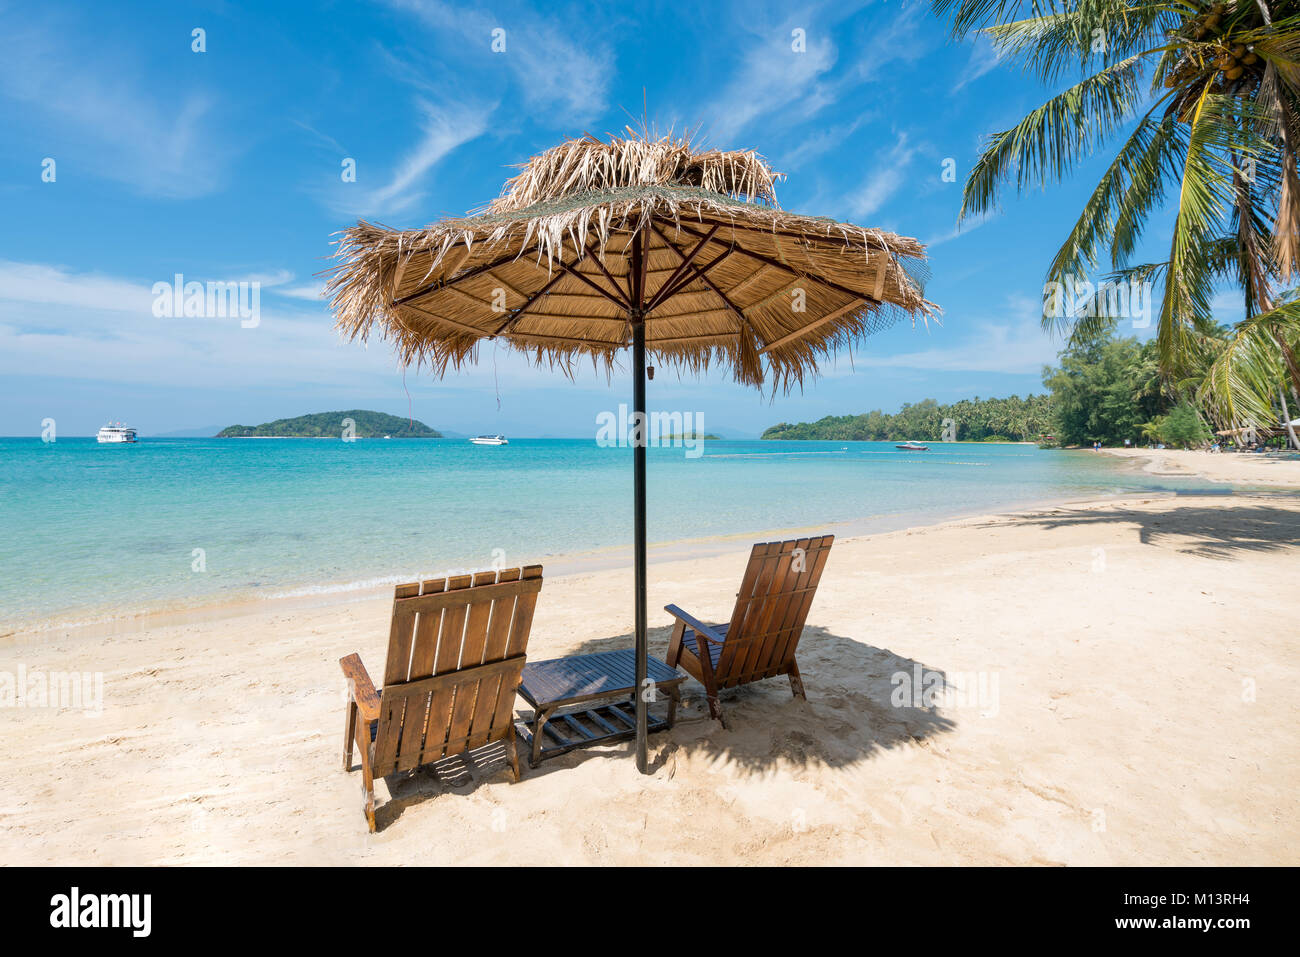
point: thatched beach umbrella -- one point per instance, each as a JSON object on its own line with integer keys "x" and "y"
{"x": 637, "y": 243}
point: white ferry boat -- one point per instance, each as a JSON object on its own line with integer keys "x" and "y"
{"x": 116, "y": 432}
{"x": 489, "y": 440}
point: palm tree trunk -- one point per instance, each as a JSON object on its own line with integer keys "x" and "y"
{"x": 1286, "y": 417}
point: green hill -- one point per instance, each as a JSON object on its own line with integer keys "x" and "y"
{"x": 368, "y": 425}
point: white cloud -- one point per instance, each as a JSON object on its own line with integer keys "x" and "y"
{"x": 771, "y": 77}
{"x": 444, "y": 129}
{"x": 442, "y": 134}
{"x": 889, "y": 175}
{"x": 961, "y": 229}
{"x": 984, "y": 57}
{"x": 1013, "y": 343}
{"x": 58, "y": 323}
{"x": 96, "y": 116}
{"x": 550, "y": 64}
{"x": 313, "y": 292}
{"x": 816, "y": 144}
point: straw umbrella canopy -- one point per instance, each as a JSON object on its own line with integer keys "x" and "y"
{"x": 636, "y": 243}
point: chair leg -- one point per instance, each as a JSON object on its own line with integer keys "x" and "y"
{"x": 368, "y": 785}
{"x": 349, "y": 735}
{"x": 715, "y": 708}
{"x": 512, "y": 752}
{"x": 675, "y": 644}
{"x": 796, "y": 682}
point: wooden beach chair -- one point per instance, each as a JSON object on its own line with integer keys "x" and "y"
{"x": 760, "y": 640}
{"x": 456, "y": 649}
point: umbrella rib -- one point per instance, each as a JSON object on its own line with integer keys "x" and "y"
{"x": 616, "y": 300}
{"x": 798, "y": 237}
{"x": 698, "y": 273}
{"x": 606, "y": 273}
{"x": 451, "y": 322}
{"x": 559, "y": 274}
{"x": 664, "y": 292}
{"x": 744, "y": 320}
{"x": 822, "y": 280}
{"x": 803, "y": 330}
{"x": 447, "y": 283}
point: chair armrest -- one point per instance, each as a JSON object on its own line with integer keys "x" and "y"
{"x": 361, "y": 687}
{"x": 707, "y": 632}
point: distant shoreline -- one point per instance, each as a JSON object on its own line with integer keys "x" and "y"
{"x": 1236, "y": 468}
{"x": 92, "y": 623}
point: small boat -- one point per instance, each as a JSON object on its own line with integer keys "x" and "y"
{"x": 116, "y": 433}
{"x": 489, "y": 440}
{"x": 913, "y": 447}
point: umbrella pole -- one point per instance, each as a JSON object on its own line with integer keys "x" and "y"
{"x": 636, "y": 316}
{"x": 638, "y": 482}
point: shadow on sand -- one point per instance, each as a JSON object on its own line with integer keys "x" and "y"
{"x": 1191, "y": 530}
{"x": 848, "y": 717}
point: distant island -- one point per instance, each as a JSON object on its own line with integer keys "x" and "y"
{"x": 688, "y": 437}
{"x": 365, "y": 425}
{"x": 970, "y": 420}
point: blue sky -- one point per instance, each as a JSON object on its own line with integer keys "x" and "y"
{"x": 225, "y": 165}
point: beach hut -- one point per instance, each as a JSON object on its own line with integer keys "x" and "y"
{"x": 638, "y": 247}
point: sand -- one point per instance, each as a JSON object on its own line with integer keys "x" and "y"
{"x": 1137, "y": 661}
{"x": 1241, "y": 468}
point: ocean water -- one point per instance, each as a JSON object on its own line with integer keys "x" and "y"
{"x": 88, "y": 530}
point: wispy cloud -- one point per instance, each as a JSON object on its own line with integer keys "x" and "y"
{"x": 984, "y": 57}
{"x": 1012, "y": 343}
{"x": 551, "y": 64}
{"x": 961, "y": 229}
{"x": 87, "y": 104}
{"x": 817, "y": 144}
{"x": 443, "y": 131}
{"x": 50, "y": 285}
{"x": 771, "y": 77}
{"x": 888, "y": 175}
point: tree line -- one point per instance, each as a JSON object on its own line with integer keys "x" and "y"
{"x": 970, "y": 420}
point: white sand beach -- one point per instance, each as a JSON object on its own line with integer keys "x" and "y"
{"x": 1242, "y": 468}
{"x": 1136, "y": 659}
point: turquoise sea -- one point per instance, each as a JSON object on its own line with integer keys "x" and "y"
{"x": 90, "y": 530}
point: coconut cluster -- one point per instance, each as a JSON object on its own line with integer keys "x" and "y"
{"x": 1217, "y": 33}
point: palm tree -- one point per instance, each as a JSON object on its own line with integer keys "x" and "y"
{"x": 1204, "y": 103}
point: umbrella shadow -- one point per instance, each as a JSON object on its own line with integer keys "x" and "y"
{"x": 1192, "y": 530}
{"x": 850, "y": 714}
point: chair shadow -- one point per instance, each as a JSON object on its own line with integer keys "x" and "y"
{"x": 456, "y": 774}
{"x": 849, "y": 715}
{"x": 1191, "y": 530}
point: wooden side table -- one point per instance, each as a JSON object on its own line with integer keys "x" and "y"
{"x": 605, "y": 681}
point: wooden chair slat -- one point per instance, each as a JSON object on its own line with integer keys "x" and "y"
{"x": 401, "y": 633}
{"x": 749, "y": 605}
{"x": 801, "y": 601}
{"x": 767, "y": 620}
{"x": 522, "y": 622}
{"x": 456, "y": 651}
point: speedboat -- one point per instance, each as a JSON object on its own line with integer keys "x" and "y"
{"x": 115, "y": 433}
{"x": 489, "y": 440}
{"x": 913, "y": 447}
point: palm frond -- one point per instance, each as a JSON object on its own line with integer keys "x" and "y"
{"x": 1051, "y": 140}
